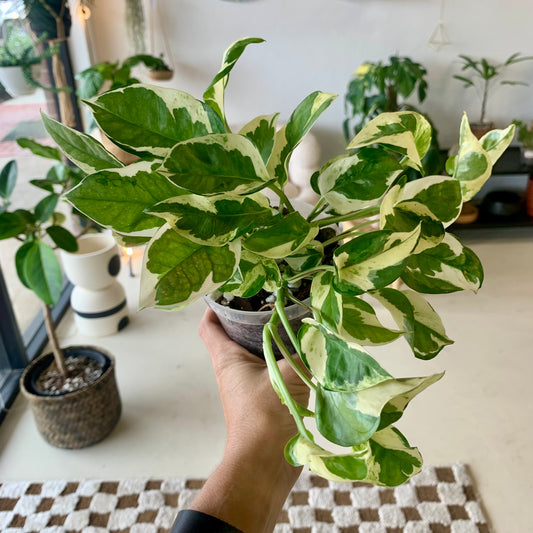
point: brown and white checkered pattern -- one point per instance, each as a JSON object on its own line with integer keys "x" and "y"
{"x": 439, "y": 500}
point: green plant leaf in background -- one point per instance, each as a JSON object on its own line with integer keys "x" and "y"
{"x": 8, "y": 179}
{"x": 425, "y": 332}
{"x": 214, "y": 220}
{"x": 82, "y": 149}
{"x": 11, "y": 225}
{"x": 41, "y": 272}
{"x": 41, "y": 150}
{"x": 163, "y": 117}
{"x": 404, "y": 132}
{"x": 177, "y": 271}
{"x": 214, "y": 94}
{"x": 118, "y": 198}
{"x": 282, "y": 238}
{"x": 215, "y": 164}
{"x": 62, "y": 238}
{"x": 448, "y": 267}
{"x": 46, "y": 207}
{"x": 289, "y": 136}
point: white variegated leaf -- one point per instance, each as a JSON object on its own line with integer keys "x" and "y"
{"x": 495, "y": 142}
{"x": 262, "y": 131}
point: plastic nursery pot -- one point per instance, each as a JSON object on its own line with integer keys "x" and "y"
{"x": 98, "y": 299}
{"x": 74, "y": 419}
{"x": 246, "y": 327}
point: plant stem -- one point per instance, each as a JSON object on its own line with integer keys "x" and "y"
{"x": 347, "y": 233}
{"x": 484, "y": 101}
{"x": 284, "y": 201}
{"x": 275, "y": 375}
{"x": 58, "y": 353}
{"x": 306, "y": 273}
{"x": 319, "y": 207}
{"x": 368, "y": 212}
{"x": 280, "y": 308}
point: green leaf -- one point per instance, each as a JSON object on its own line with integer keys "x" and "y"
{"x": 8, "y": 179}
{"x": 63, "y": 238}
{"x": 282, "y": 238}
{"x": 374, "y": 259}
{"x": 215, "y": 164}
{"x": 350, "y": 317}
{"x": 358, "y": 181}
{"x": 39, "y": 149}
{"x": 46, "y": 207}
{"x": 306, "y": 257}
{"x": 405, "y": 132}
{"x": 162, "y": 118}
{"x": 289, "y": 136}
{"x": 351, "y": 418}
{"x": 20, "y": 258}
{"x": 177, "y": 271}
{"x": 261, "y": 131}
{"x": 215, "y": 220}
{"x": 495, "y": 142}
{"x": 118, "y": 198}
{"x": 82, "y": 149}
{"x": 425, "y": 331}
{"x": 131, "y": 241}
{"x": 214, "y": 94}
{"x": 448, "y": 267}
{"x": 42, "y": 273}
{"x": 335, "y": 363}
{"x": 11, "y": 225}
{"x": 386, "y": 459}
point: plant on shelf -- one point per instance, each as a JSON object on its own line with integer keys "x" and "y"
{"x": 525, "y": 138}
{"x": 196, "y": 198}
{"x": 18, "y": 60}
{"x": 63, "y": 387}
{"x": 92, "y": 80}
{"x": 378, "y": 87}
{"x": 481, "y": 74}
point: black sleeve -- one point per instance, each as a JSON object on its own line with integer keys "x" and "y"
{"x": 197, "y": 522}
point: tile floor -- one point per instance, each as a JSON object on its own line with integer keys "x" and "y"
{"x": 172, "y": 423}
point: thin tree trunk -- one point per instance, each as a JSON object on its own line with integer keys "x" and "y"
{"x": 58, "y": 353}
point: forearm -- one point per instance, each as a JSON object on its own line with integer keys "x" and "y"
{"x": 248, "y": 490}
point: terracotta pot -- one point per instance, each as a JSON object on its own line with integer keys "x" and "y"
{"x": 481, "y": 128}
{"x": 74, "y": 419}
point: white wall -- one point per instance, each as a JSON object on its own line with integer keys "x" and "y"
{"x": 317, "y": 44}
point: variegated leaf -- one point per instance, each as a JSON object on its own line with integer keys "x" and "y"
{"x": 82, "y": 149}
{"x": 448, "y": 267}
{"x": 176, "y": 271}
{"x": 261, "y": 131}
{"x": 473, "y": 164}
{"x": 283, "y": 238}
{"x": 350, "y": 317}
{"x": 425, "y": 331}
{"x": 358, "y": 181}
{"x": 289, "y": 136}
{"x": 254, "y": 273}
{"x": 162, "y": 118}
{"x": 118, "y": 198}
{"x": 385, "y": 460}
{"x": 216, "y": 164}
{"x": 405, "y": 132}
{"x": 215, "y": 220}
{"x": 214, "y": 94}
{"x": 495, "y": 142}
{"x": 351, "y": 418}
{"x": 374, "y": 259}
{"x": 335, "y": 363}
{"x": 434, "y": 202}
{"x": 307, "y": 257}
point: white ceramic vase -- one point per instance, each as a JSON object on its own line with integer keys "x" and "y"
{"x": 98, "y": 299}
{"x": 14, "y": 82}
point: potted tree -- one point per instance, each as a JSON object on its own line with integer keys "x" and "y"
{"x": 481, "y": 74}
{"x": 196, "y": 199}
{"x": 72, "y": 391}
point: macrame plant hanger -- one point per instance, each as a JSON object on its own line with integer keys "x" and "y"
{"x": 165, "y": 54}
{"x": 439, "y": 38}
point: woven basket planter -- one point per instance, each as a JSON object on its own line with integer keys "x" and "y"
{"x": 80, "y": 418}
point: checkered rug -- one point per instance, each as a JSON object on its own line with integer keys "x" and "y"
{"x": 439, "y": 500}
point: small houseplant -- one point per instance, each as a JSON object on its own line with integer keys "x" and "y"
{"x": 19, "y": 62}
{"x": 525, "y": 138}
{"x": 481, "y": 74}
{"x": 72, "y": 391}
{"x": 195, "y": 199}
{"x": 379, "y": 87}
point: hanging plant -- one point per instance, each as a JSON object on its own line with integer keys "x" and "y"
{"x": 135, "y": 25}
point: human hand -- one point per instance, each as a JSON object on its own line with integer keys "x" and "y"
{"x": 249, "y": 487}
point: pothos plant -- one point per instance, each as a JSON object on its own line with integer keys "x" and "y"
{"x": 196, "y": 199}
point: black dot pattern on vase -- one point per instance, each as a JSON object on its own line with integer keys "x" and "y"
{"x": 113, "y": 266}
{"x": 124, "y": 321}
